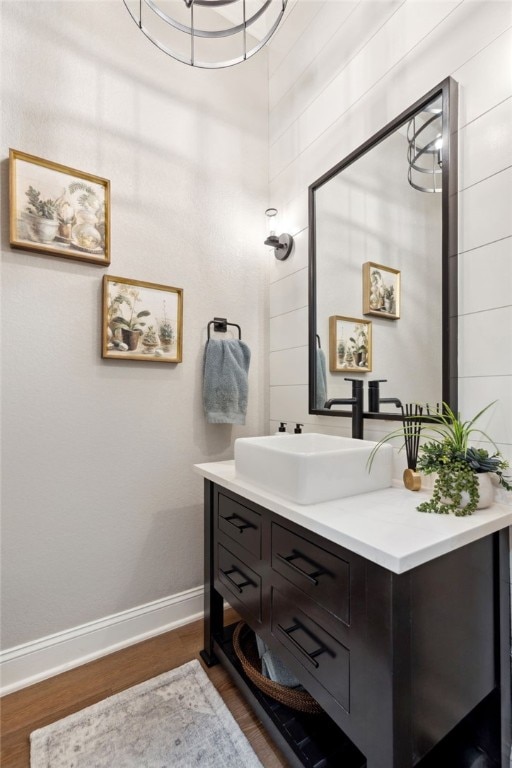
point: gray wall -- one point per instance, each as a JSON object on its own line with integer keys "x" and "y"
{"x": 101, "y": 509}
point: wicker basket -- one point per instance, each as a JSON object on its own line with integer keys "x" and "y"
{"x": 245, "y": 648}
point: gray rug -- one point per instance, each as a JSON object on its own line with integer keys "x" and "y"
{"x": 177, "y": 719}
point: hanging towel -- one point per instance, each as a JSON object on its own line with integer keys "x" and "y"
{"x": 225, "y": 381}
{"x": 321, "y": 379}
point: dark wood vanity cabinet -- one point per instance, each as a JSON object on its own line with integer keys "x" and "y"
{"x": 410, "y": 669}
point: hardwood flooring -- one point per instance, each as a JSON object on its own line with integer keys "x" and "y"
{"x": 34, "y": 707}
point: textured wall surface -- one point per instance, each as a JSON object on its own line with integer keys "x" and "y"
{"x": 101, "y": 509}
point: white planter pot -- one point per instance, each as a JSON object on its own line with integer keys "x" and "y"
{"x": 485, "y": 492}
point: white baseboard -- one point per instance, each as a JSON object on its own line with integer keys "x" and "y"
{"x": 39, "y": 659}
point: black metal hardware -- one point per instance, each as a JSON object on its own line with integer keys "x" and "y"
{"x": 220, "y": 324}
{"x": 356, "y": 401}
{"x": 310, "y": 656}
{"x": 374, "y": 398}
{"x": 240, "y": 528}
{"x": 243, "y": 584}
{"x": 311, "y": 577}
{"x": 318, "y": 341}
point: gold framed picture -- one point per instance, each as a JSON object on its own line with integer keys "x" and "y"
{"x": 58, "y": 211}
{"x": 350, "y": 344}
{"x": 141, "y": 321}
{"x": 381, "y": 291}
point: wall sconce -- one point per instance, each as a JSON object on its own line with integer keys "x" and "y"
{"x": 281, "y": 244}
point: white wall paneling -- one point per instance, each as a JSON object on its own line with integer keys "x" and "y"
{"x": 349, "y": 87}
{"x": 484, "y": 211}
{"x": 485, "y": 277}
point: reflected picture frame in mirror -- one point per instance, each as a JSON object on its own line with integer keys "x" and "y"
{"x": 381, "y": 291}
{"x": 438, "y": 150}
{"x": 350, "y": 345}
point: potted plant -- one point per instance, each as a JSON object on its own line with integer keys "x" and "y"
{"x": 389, "y": 298}
{"x": 360, "y": 348}
{"x": 150, "y": 340}
{"x": 42, "y": 216}
{"x": 462, "y": 471}
{"x": 166, "y": 332}
{"x": 131, "y": 327}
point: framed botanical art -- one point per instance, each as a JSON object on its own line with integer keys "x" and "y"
{"x": 350, "y": 345}
{"x": 381, "y": 291}
{"x": 141, "y": 321}
{"x": 58, "y": 211}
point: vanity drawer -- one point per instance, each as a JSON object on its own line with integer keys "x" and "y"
{"x": 240, "y": 523}
{"x": 317, "y": 650}
{"x": 321, "y": 575}
{"x": 240, "y": 581}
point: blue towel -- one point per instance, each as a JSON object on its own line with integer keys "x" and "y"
{"x": 225, "y": 381}
{"x": 272, "y": 666}
{"x": 321, "y": 379}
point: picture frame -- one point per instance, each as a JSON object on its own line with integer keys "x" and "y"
{"x": 58, "y": 211}
{"x": 141, "y": 321}
{"x": 381, "y": 291}
{"x": 350, "y": 344}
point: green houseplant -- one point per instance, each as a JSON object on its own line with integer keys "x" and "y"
{"x": 166, "y": 332}
{"x": 42, "y": 215}
{"x": 131, "y": 327}
{"x": 458, "y": 465}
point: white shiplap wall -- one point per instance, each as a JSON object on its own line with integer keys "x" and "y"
{"x": 339, "y": 71}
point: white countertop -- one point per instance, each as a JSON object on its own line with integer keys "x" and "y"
{"x": 383, "y": 526}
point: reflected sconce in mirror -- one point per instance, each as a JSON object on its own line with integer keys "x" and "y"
{"x": 282, "y": 244}
{"x": 425, "y": 142}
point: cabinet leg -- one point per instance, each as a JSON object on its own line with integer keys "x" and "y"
{"x": 213, "y": 603}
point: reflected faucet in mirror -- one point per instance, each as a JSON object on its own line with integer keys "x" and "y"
{"x": 374, "y": 398}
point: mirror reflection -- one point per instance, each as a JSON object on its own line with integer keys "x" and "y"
{"x": 378, "y": 251}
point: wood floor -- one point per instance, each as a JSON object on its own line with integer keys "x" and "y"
{"x": 43, "y": 703}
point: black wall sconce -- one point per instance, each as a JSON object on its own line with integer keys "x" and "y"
{"x": 282, "y": 244}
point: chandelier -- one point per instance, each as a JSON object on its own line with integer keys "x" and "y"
{"x": 210, "y": 34}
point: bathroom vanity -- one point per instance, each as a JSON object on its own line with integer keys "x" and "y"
{"x": 397, "y": 622}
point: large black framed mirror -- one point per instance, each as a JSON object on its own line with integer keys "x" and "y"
{"x": 383, "y": 266}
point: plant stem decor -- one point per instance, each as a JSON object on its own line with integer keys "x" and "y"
{"x": 457, "y": 464}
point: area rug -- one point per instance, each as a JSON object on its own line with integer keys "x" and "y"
{"x": 176, "y": 720}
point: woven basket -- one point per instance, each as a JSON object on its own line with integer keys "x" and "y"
{"x": 245, "y": 648}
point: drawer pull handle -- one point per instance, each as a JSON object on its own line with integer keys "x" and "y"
{"x": 311, "y": 577}
{"x": 309, "y": 655}
{"x": 239, "y": 587}
{"x": 243, "y": 523}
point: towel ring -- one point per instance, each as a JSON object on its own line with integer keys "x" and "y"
{"x": 319, "y": 342}
{"x": 220, "y": 324}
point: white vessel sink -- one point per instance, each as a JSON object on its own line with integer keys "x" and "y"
{"x": 310, "y": 468}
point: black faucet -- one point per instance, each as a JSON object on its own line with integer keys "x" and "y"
{"x": 356, "y": 401}
{"x": 374, "y": 398}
